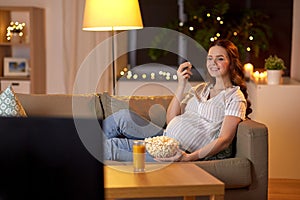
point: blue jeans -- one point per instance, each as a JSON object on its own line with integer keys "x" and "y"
{"x": 121, "y": 129}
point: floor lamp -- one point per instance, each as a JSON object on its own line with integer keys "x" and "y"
{"x": 112, "y": 15}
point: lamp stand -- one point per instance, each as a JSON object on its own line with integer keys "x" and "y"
{"x": 113, "y": 63}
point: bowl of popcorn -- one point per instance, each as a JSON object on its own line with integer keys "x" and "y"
{"x": 161, "y": 146}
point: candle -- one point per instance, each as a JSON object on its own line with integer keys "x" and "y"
{"x": 263, "y": 75}
{"x": 259, "y": 76}
{"x": 248, "y": 68}
{"x": 256, "y": 75}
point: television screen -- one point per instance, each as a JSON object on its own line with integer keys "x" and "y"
{"x": 44, "y": 158}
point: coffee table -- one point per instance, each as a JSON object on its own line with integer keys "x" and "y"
{"x": 173, "y": 180}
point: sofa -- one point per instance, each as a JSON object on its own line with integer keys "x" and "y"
{"x": 245, "y": 175}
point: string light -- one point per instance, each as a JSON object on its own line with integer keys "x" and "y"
{"x": 135, "y": 76}
{"x": 240, "y": 30}
{"x": 14, "y": 28}
{"x": 129, "y": 75}
{"x": 163, "y": 75}
{"x": 152, "y": 75}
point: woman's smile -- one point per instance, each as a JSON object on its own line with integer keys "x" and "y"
{"x": 214, "y": 68}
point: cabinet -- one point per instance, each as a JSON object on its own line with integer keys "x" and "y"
{"x": 31, "y": 47}
{"x": 20, "y": 86}
{"x": 277, "y": 106}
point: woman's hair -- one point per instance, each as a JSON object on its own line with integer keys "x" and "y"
{"x": 236, "y": 68}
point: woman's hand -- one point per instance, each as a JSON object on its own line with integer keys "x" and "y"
{"x": 180, "y": 156}
{"x": 187, "y": 157}
{"x": 184, "y": 73}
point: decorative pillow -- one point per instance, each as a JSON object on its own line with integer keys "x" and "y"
{"x": 10, "y": 106}
{"x": 226, "y": 153}
{"x": 111, "y": 105}
{"x": 152, "y": 108}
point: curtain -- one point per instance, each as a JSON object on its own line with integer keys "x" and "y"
{"x": 78, "y": 45}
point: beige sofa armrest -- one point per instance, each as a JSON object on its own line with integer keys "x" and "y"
{"x": 252, "y": 143}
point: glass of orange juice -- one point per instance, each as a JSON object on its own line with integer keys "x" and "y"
{"x": 139, "y": 155}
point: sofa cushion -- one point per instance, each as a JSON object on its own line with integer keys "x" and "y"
{"x": 61, "y": 105}
{"x": 234, "y": 172}
{"x": 10, "y": 105}
{"x": 152, "y": 108}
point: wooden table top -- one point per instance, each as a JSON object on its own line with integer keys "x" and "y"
{"x": 177, "y": 179}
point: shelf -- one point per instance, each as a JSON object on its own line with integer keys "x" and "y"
{"x": 13, "y": 44}
{"x": 15, "y": 78}
{"x": 32, "y": 46}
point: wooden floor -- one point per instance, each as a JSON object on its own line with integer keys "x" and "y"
{"x": 284, "y": 189}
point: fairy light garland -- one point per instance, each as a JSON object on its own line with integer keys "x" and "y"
{"x": 155, "y": 76}
{"x": 14, "y": 28}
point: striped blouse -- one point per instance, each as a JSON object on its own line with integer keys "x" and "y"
{"x": 202, "y": 119}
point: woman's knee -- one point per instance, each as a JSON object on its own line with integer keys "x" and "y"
{"x": 116, "y": 116}
{"x": 121, "y": 115}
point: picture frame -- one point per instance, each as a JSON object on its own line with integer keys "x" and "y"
{"x": 16, "y": 66}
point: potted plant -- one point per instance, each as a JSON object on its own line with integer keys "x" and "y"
{"x": 274, "y": 66}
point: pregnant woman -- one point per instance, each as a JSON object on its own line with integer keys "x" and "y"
{"x": 204, "y": 120}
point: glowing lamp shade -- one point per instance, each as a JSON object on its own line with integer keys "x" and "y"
{"x": 109, "y": 15}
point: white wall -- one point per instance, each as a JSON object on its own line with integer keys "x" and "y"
{"x": 54, "y": 61}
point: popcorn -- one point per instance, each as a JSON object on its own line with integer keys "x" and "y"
{"x": 161, "y": 146}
